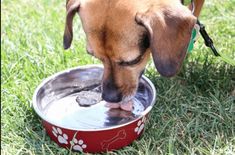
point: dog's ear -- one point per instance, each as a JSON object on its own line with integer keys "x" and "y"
{"x": 72, "y": 7}
{"x": 169, "y": 30}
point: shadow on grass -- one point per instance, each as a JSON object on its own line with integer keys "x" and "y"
{"x": 194, "y": 112}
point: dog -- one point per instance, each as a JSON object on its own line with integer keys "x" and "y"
{"x": 123, "y": 34}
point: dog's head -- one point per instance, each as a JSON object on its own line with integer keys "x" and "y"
{"x": 123, "y": 34}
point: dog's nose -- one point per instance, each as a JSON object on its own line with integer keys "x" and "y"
{"x": 112, "y": 96}
{"x": 111, "y": 93}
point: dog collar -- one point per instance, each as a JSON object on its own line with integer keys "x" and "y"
{"x": 194, "y": 36}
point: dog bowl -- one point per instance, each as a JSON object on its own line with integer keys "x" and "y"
{"x": 91, "y": 128}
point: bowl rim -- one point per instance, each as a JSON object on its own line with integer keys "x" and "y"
{"x": 44, "y": 81}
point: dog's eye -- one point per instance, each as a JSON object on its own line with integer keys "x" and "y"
{"x": 143, "y": 45}
{"x": 144, "y": 42}
{"x": 132, "y": 62}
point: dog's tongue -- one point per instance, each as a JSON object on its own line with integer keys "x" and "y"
{"x": 112, "y": 105}
{"x": 127, "y": 106}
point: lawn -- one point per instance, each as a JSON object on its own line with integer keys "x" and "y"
{"x": 194, "y": 112}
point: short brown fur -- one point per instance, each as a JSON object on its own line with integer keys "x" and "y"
{"x": 115, "y": 30}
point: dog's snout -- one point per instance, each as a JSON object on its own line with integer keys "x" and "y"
{"x": 110, "y": 92}
{"x": 112, "y": 96}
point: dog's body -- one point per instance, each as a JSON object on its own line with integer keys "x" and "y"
{"x": 123, "y": 34}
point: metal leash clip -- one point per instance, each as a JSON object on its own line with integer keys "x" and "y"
{"x": 193, "y": 6}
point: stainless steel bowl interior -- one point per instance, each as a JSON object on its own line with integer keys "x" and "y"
{"x": 55, "y": 101}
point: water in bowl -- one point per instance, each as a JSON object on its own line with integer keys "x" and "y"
{"x": 86, "y": 110}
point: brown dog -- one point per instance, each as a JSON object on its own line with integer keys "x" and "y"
{"x": 123, "y": 34}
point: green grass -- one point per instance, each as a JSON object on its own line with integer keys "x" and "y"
{"x": 194, "y": 112}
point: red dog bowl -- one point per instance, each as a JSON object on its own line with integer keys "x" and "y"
{"x": 93, "y": 128}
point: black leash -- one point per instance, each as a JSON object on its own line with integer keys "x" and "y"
{"x": 207, "y": 40}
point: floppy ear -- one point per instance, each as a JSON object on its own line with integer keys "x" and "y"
{"x": 72, "y": 7}
{"x": 169, "y": 30}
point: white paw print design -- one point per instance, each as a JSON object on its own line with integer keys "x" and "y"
{"x": 78, "y": 145}
{"x": 140, "y": 125}
{"x": 62, "y": 138}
